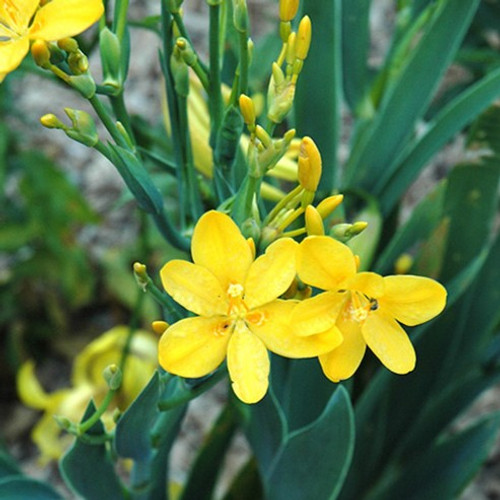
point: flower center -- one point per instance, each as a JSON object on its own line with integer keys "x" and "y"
{"x": 359, "y": 306}
{"x": 237, "y": 307}
{"x": 11, "y": 25}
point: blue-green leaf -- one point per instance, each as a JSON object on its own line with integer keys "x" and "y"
{"x": 314, "y": 460}
{"x": 24, "y": 488}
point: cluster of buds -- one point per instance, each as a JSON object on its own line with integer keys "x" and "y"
{"x": 82, "y": 129}
{"x": 64, "y": 55}
{"x": 264, "y": 152}
{"x": 281, "y": 91}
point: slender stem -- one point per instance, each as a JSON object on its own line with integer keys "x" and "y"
{"x": 189, "y": 395}
{"x": 215, "y": 94}
{"x": 93, "y": 419}
{"x": 244, "y": 62}
{"x": 108, "y": 121}
{"x": 120, "y": 18}
{"x": 121, "y": 113}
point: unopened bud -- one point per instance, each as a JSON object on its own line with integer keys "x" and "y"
{"x": 180, "y": 73}
{"x": 248, "y": 111}
{"x": 159, "y": 327}
{"x": 141, "y": 275}
{"x": 240, "y": 15}
{"x": 110, "y": 48}
{"x": 328, "y": 205}
{"x": 113, "y": 376}
{"x": 84, "y": 84}
{"x": 83, "y": 127}
{"x": 68, "y": 44}
{"x": 186, "y": 51}
{"x": 314, "y": 222}
{"x": 403, "y": 264}
{"x": 290, "y": 49}
{"x": 303, "y": 41}
{"x": 41, "y": 53}
{"x": 63, "y": 422}
{"x": 51, "y": 121}
{"x": 309, "y": 165}
{"x": 288, "y": 9}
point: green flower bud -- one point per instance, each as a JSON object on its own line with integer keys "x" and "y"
{"x": 110, "y": 49}
{"x": 83, "y": 127}
{"x": 113, "y": 376}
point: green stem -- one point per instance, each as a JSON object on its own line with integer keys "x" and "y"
{"x": 120, "y": 18}
{"x": 242, "y": 207}
{"x": 121, "y": 114}
{"x": 85, "y": 426}
{"x": 244, "y": 62}
{"x": 108, "y": 122}
{"x": 215, "y": 94}
{"x": 189, "y": 395}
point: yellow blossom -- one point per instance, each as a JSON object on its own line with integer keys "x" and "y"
{"x": 87, "y": 383}
{"x": 239, "y": 315}
{"x": 365, "y": 307}
{"x": 23, "y": 21}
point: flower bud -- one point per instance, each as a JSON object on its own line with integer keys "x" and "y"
{"x": 84, "y": 84}
{"x": 309, "y": 165}
{"x": 113, "y": 376}
{"x": 248, "y": 111}
{"x": 83, "y": 128}
{"x": 403, "y": 263}
{"x": 141, "y": 275}
{"x": 314, "y": 222}
{"x": 186, "y": 51}
{"x": 328, "y": 205}
{"x": 68, "y": 44}
{"x": 41, "y": 53}
{"x": 110, "y": 48}
{"x": 159, "y": 327}
{"x": 240, "y": 15}
{"x": 303, "y": 41}
{"x": 180, "y": 73}
{"x": 288, "y": 9}
{"x": 51, "y": 121}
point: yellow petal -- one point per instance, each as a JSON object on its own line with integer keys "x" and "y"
{"x": 194, "y": 347}
{"x": 279, "y": 334}
{"x": 64, "y": 18}
{"x": 318, "y": 313}
{"x": 412, "y": 299}
{"x": 342, "y": 362}
{"x": 324, "y": 262}
{"x": 194, "y": 287}
{"x": 389, "y": 342}
{"x": 12, "y": 53}
{"x": 370, "y": 284}
{"x": 248, "y": 364}
{"x": 17, "y": 15}
{"x": 219, "y": 246}
{"x": 271, "y": 274}
{"x": 29, "y": 389}
{"x": 47, "y": 436}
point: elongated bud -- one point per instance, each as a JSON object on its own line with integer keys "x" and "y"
{"x": 113, "y": 376}
{"x": 84, "y": 84}
{"x": 314, "y": 222}
{"x": 186, "y": 51}
{"x": 240, "y": 15}
{"x": 78, "y": 63}
{"x": 110, "y": 49}
{"x": 159, "y": 326}
{"x": 51, "y": 121}
{"x": 141, "y": 275}
{"x": 309, "y": 164}
{"x": 344, "y": 232}
{"x": 290, "y": 48}
{"x": 288, "y": 9}
{"x": 248, "y": 111}
{"x": 83, "y": 128}
{"x": 328, "y": 205}
{"x": 180, "y": 73}
{"x": 41, "y": 53}
{"x": 403, "y": 264}
{"x": 303, "y": 41}
{"x": 68, "y": 44}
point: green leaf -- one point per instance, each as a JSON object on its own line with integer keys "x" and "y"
{"x": 471, "y": 204}
{"x": 409, "y": 95}
{"x": 319, "y": 87}
{"x": 207, "y": 466}
{"x": 247, "y": 485}
{"x": 315, "y": 459}
{"x": 23, "y": 488}
{"x": 8, "y": 466}
{"x": 449, "y": 121}
{"x": 445, "y": 469}
{"x": 87, "y": 468}
{"x": 137, "y": 179}
{"x": 355, "y": 45}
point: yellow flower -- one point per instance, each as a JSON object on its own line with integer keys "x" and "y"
{"x": 366, "y": 307}
{"x": 238, "y": 311}
{"x": 23, "y": 21}
{"x": 87, "y": 383}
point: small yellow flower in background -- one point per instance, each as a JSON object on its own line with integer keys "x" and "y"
{"x": 239, "y": 315}
{"x": 23, "y": 21}
{"x": 88, "y": 383}
{"x": 365, "y": 307}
